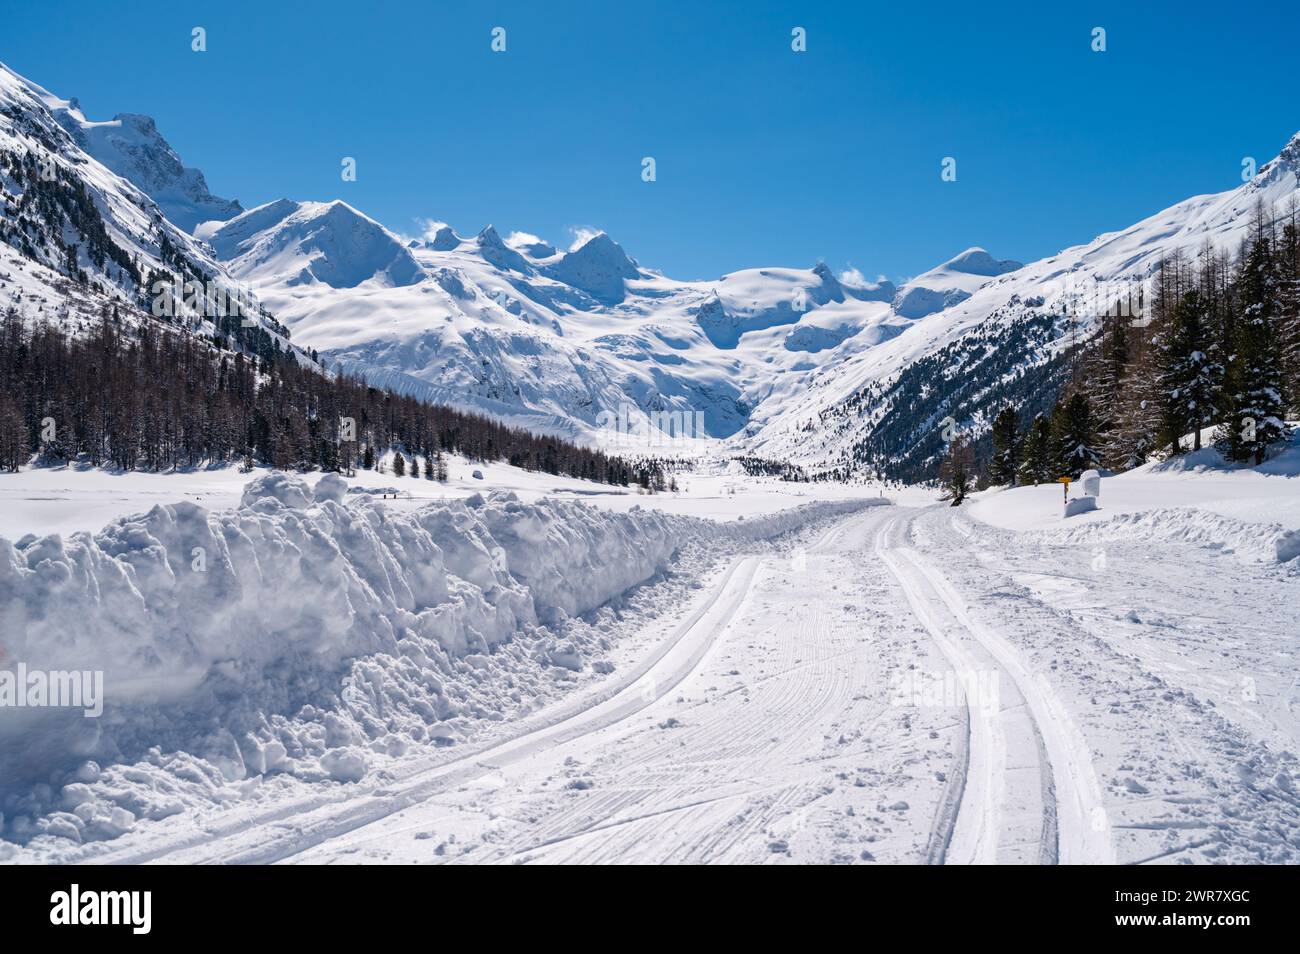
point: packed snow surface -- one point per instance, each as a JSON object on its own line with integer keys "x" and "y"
{"x": 307, "y": 633}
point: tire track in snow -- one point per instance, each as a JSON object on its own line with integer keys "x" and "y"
{"x": 746, "y": 769}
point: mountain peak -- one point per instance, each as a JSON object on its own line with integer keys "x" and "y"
{"x": 1287, "y": 160}
{"x": 308, "y": 242}
{"x": 599, "y": 267}
{"x": 444, "y": 239}
{"x": 495, "y": 251}
{"x": 977, "y": 261}
{"x": 130, "y": 145}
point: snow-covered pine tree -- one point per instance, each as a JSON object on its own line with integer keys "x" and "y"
{"x": 399, "y": 465}
{"x": 1006, "y": 448}
{"x": 1070, "y": 446}
{"x": 1191, "y": 376}
{"x": 1255, "y": 406}
{"x": 1035, "y": 459}
{"x": 1106, "y": 367}
{"x": 1288, "y": 272}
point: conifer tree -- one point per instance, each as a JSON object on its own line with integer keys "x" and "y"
{"x": 1288, "y": 273}
{"x": 1255, "y": 417}
{"x": 1191, "y": 378}
{"x": 1006, "y": 449}
{"x": 14, "y": 449}
{"x": 1070, "y": 445}
{"x": 1035, "y": 459}
{"x": 958, "y": 471}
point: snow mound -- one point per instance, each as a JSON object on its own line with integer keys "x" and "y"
{"x": 1251, "y": 542}
{"x": 284, "y": 489}
{"x": 302, "y": 638}
{"x": 330, "y": 487}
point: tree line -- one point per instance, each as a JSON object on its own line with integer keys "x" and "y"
{"x": 1214, "y": 353}
{"x": 152, "y": 397}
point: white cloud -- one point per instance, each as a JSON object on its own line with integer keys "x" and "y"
{"x": 851, "y": 276}
{"x": 523, "y": 238}
{"x": 582, "y": 234}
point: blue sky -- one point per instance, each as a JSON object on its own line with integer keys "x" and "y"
{"x": 764, "y": 156}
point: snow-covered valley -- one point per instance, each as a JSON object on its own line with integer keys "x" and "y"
{"x": 838, "y": 677}
{"x": 473, "y": 547}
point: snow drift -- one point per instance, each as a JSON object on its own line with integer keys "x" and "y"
{"x": 302, "y": 636}
{"x": 1247, "y": 541}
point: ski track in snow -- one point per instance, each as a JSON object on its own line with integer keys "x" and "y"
{"x": 1029, "y": 721}
{"x": 763, "y": 729}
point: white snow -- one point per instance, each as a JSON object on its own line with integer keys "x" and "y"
{"x": 308, "y": 637}
{"x": 1250, "y": 512}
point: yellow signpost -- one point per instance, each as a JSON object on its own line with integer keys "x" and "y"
{"x": 1065, "y": 487}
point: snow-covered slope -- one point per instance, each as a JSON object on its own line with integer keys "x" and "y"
{"x": 573, "y": 341}
{"x": 787, "y": 363}
{"x": 883, "y": 407}
{"x": 78, "y": 240}
{"x": 130, "y": 145}
{"x": 295, "y": 243}
{"x": 777, "y": 361}
{"x": 951, "y": 283}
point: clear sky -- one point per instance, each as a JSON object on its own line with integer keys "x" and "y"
{"x": 764, "y": 156}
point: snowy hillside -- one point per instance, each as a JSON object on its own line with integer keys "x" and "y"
{"x": 950, "y": 284}
{"x": 785, "y": 363}
{"x": 777, "y": 361}
{"x": 996, "y": 346}
{"x": 79, "y": 239}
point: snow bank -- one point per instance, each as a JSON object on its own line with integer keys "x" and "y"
{"x": 1252, "y": 542}
{"x": 1078, "y": 505}
{"x": 297, "y": 635}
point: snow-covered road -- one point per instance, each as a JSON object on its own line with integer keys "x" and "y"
{"x": 778, "y": 740}
{"x": 804, "y": 729}
{"x": 908, "y": 689}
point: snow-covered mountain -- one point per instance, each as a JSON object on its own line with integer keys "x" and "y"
{"x": 789, "y": 363}
{"x": 130, "y": 145}
{"x": 884, "y": 407}
{"x": 562, "y": 341}
{"x": 79, "y": 239}
{"x": 295, "y": 243}
{"x": 951, "y": 283}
